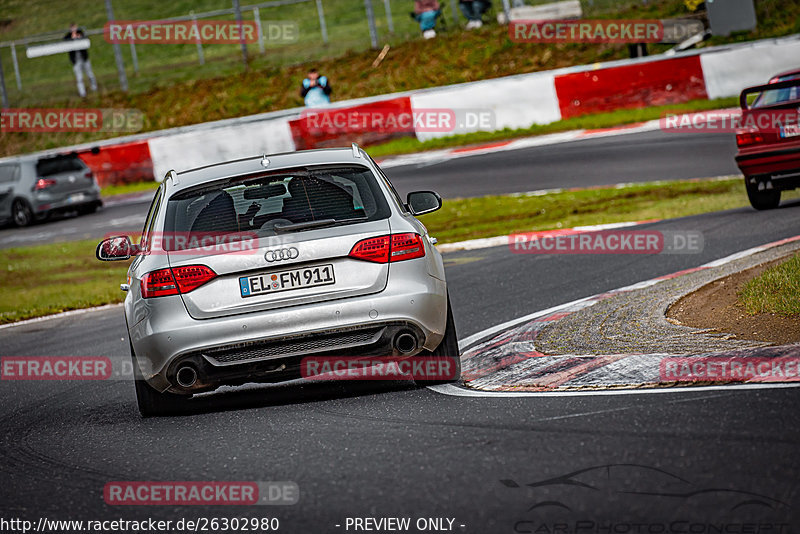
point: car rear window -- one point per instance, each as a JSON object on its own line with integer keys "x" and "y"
{"x": 338, "y": 195}
{"x": 58, "y": 165}
{"x": 771, "y": 97}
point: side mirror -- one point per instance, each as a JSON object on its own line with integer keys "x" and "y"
{"x": 114, "y": 249}
{"x": 422, "y": 202}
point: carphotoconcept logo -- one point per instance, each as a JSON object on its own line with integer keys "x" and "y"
{"x": 71, "y": 120}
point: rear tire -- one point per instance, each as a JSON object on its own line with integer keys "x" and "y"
{"x": 766, "y": 199}
{"x": 21, "y": 213}
{"x": 447, "y": 351}
{"x": 151, "y": 402}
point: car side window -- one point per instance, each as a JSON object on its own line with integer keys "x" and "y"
{"x": 9, "y": 174}
{"x": 147, "y": 231}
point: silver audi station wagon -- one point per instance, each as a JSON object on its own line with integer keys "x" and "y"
{"x": 245, "y": 268}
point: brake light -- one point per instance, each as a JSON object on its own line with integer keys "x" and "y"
{"x": 88, "y": 174}
{"x": 389, "y": 248}
{"x": 159, "y": 283}
{"x": 44, "y": 183}
{"x": 746, "y": 138}
{"x": 190, "y": 277}
{"x": 164, "y": 282}
{"x": 374, "y": 249}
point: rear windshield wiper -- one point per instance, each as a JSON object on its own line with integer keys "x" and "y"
{"x": 280, "y": 228}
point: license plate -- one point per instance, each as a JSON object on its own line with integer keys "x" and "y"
{"x": 77, "y": 197}
{"x": 790, "y": 130}
{"x": 275, "y": 282}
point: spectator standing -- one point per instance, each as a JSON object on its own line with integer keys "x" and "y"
{"x": 80, "y": 61}
{"x": 426, "y": 13}
{"x": 474, "y": 10}
{"x": 316, "y": 89}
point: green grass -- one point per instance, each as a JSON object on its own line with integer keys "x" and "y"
{"x": 776, "y": 290}
{"x": 135, "y": 187}
{"x": 489, "y": 216}
{"x": 46, "y": 279}
{"x": 589, "y": 122}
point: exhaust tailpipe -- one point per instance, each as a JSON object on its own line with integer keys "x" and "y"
{"x": 186, "y": 376}
{"x": 405, "y": 342}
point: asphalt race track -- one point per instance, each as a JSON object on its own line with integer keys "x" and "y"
{"x": 639, "y": 157}
{"x": 685, "y": 461}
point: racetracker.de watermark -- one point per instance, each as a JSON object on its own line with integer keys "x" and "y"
{"x": 418, "y": 368}
{"x": 56, "y": 368}
{"x": 191, "y": 243}
{"x": 602, "y": 31}
{"x": 780, "y": 122}
{"x": 607, "y": 242}
{"x": 71, "y": 120}
{"x": 393, "y": 120}
{"x": 200, "y": 31}
{"x": 730, "y": 369}
{"x": 188, "y": 493}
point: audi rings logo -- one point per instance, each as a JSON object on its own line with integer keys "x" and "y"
{"x": 281, "y": 254}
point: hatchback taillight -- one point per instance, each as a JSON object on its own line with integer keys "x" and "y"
{"x": 748, "y": 137}
{"x": 177, "y": 280}
{"x": 44, "y": 183}
{"x": 389, "y": 248}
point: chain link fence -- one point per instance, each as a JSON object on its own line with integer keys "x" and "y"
{"x": 324, "y": 28}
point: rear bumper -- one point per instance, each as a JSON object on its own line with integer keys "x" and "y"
{"x": 780, "y": 166}
{"x": 165, "y": 337}
{"x": 47, "y": 203}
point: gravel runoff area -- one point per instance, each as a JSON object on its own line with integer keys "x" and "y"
{"x": 620, "y": 339}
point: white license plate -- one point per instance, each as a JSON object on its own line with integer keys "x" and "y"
{"x": 260, "y": 284}
{"x": 77, "y": 197}
{"x": 790, "y": 130}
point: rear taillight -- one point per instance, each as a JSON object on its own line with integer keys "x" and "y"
{"x": 191, "y": 277}
{"x": 89, "y": 175}
{"x": 747, "y": 138}
{"x": 389, "y": 248}
{"x": 44, "y": 183}
{"x": 174, "y": 281}
{"x": 375, "y": 249}
{"x": 407, "y": 247}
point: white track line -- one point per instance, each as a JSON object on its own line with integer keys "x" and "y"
{"x": 449, "y": 389}
{"x": 455, "y": 391}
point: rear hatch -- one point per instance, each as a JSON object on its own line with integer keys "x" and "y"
{"x": 281, "y": 239}
{"x": 246, "y": 281}
{"x": 65, "y": 176}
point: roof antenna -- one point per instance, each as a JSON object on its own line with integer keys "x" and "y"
{"x": 356, "y": 151}
{"x": 172, "y": 175}
{"x": 264, "y": 161}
